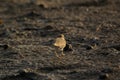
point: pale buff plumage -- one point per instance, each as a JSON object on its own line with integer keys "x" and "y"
{"x": 60, "y": 44}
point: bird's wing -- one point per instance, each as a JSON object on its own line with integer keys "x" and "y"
{"x": 60, "y": 42}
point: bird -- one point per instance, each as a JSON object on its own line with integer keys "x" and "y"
{"x": 60, "y": 44}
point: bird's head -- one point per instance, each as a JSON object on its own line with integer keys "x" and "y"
{"x": 61, "y": 35}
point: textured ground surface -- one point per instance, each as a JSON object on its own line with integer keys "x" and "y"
{"x": 92, "y": 27}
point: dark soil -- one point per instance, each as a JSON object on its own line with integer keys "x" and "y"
{"x": 91, "y": 27}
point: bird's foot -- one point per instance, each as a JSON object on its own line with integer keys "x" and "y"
{"x": 62, "y": 54}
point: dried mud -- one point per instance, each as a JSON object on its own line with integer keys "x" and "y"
{"x": 28, "y": 27}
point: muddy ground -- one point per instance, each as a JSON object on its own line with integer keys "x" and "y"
{"x": 27, "y": 28}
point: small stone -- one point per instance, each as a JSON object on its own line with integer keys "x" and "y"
{"x": 103, "y": 76}
{"x": 4, "y": 46}
{"x": 33, "y": 14}
{"x": 107, "y": 70}
{"x": 68, "y": 47}
{"x": 87, "y": 47}
{"x": 48, "y": 27}
{"x": 41, "y": 6}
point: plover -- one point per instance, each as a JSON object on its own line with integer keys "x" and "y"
{"x": 60, "y": 44}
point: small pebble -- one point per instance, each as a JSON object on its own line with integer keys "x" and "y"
{"x": 4, "y": 46}
{"x": 48, "y": 27}
{"x": 68, "y": 47}
{"x": 103, "y": 76}
{"x": 87, "y": 47}
{"x": 107, "y": 70}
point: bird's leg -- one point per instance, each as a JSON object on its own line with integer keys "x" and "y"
{"x": 56, "y": 54}
{"x": 62, "y": 54}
